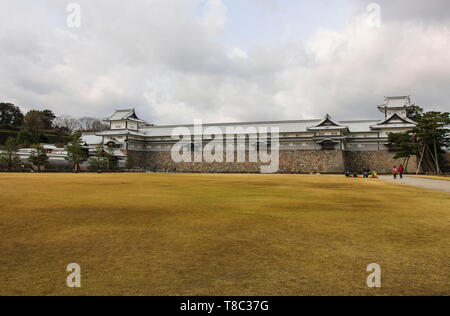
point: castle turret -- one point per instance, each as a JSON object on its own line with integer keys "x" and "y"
{"x": 124, "y": 120}
{"x": 398, "y": 105}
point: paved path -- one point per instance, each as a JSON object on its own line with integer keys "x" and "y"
{"x": 439, "y": 185}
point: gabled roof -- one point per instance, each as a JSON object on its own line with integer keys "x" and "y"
{"x": 327, "y": 123}
{"x": 394, "y": 121}
{"x": 121, "y": 115}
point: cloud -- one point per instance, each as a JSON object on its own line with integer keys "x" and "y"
{"x": 237, "y": 53}
{"x": 355, "y": 68}
{"x": 168, "y": 59}
{"x": 214, "y": 15}
{"x": 433, "y": 11}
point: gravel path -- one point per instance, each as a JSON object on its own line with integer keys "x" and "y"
{"x": 439, "y": 185}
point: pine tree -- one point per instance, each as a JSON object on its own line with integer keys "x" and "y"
{"x": 406, "y": 145}
{"x": 427, "y": 140}
{"x": 10, "y": 157}
{"x": 38, "y": 157}
{"x": 76, "y": 153}
{"x": 99, "y": 161}
{"x": 112, "y": 159}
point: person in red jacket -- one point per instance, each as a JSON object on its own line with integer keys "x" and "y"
{"x": 400, "y": 171}
{"x": 394, "y": 172}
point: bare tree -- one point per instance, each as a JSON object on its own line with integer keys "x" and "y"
{"x": 89, "y": 124}
{"x": 67, "y": 124}
{"x": 84, "y": 124}
{"x": 100, "y": 126}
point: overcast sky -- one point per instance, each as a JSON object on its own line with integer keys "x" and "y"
{"x": 224, "y": 60}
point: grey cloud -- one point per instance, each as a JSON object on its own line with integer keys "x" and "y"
{"x": 169, "y": 63}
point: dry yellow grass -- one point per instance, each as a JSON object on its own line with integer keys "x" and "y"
{"x": 145, "y": 234}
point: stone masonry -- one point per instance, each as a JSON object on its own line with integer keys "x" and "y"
{"x": 305, "y": 161}
{"x": 381, "y": 161}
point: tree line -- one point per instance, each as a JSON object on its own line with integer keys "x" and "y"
{"x": 102, "y": 158}
{"x": 34, "y": 125}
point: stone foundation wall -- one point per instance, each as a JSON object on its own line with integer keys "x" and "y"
{"x": 381, "y": 161}
{"x": 305, "y": 161}
{"x": 301, "y": 161}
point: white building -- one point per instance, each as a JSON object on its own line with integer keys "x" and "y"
{"x": 129, "y": 133}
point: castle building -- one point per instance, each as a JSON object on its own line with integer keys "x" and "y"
{"x": 323, "y": 145}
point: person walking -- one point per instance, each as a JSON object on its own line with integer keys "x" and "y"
{"x": 394, "y": 172}
{"x": 400, "y": 171}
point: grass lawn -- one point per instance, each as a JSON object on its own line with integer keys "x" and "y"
{"x": 159, "y": 234}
